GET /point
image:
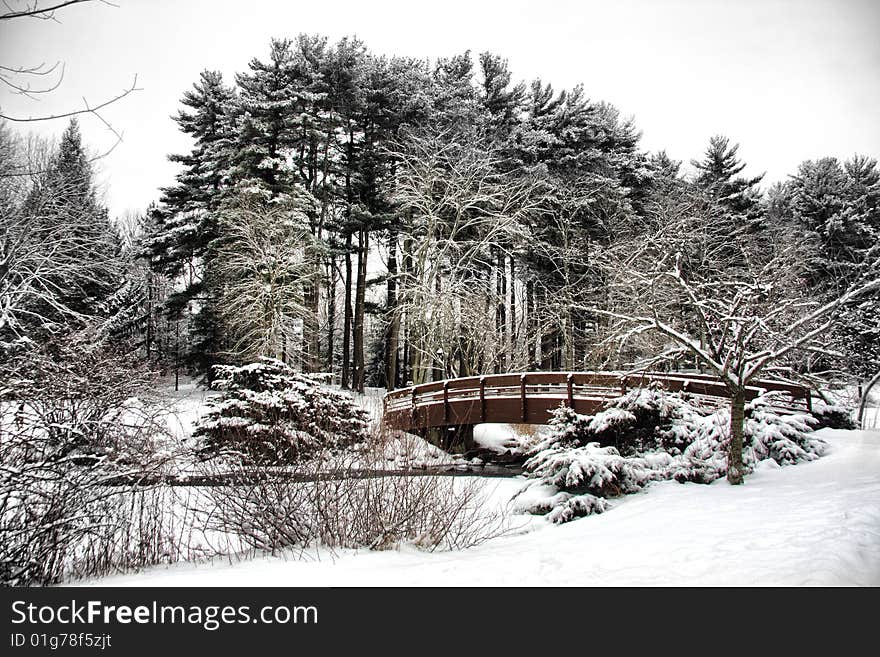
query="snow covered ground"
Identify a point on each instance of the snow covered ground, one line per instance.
(811, 524)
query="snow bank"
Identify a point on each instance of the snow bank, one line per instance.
(810, 525)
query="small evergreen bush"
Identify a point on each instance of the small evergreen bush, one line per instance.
(833, 416)
(648, 435)
(640, 420)
(270, 414)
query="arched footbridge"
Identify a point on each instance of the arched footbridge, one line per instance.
(445, 412)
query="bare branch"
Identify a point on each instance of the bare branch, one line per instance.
(34, 10)
(87, 110)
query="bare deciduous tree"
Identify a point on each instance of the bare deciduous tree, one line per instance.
(461, 212)
(35, 80)
(742, 318)
(265, 263)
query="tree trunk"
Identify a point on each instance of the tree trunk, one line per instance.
(311, 299)
(513, 327)
(735, 451)
(567, 340)
(347, 311)
(863, 401)
(347, 320)
(331, 313)
(360, 295)
(532, 339)
(500, 314)
(148, 339)
(406, 368)
(549, 340)
(393, 337)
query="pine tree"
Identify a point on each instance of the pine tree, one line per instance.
(665, 174)
(63, 209)
(718, 175)
(733, 218)
(502, 101)
(184, 226)
(838, 206)
(454, 96)
(270, 127)
(596, 183)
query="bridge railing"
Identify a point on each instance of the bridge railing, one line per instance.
(564, 386)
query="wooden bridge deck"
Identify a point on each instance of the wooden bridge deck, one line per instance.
(529, 398)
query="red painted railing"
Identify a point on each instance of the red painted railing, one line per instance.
(530, 397)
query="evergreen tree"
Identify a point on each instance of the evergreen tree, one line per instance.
(595, 183)
(838, 207)
(665, 175)
(731, 209)
(184, 226)
(456, 104)
(718, 175)
(271, 124)
(502, 101)
(63, 209)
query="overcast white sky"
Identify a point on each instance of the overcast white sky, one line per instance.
(787, 79)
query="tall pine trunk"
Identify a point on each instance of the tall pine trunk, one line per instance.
(311, 338)
(500, 309)
(148, 338)
(360, 297)
(548, 335)
(347, 318)
(531, 325)
(331, 314)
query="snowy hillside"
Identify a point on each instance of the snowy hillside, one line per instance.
(813, 524)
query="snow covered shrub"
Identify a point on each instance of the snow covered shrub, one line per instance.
(588, 469)
(71, 524)
(74, 417)
(270, 414)
(582, 476)
(787, 438)
(665, 437)
(833, 416)
(563, 507)
(640, 431)
(641, 419)
(705, 458)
